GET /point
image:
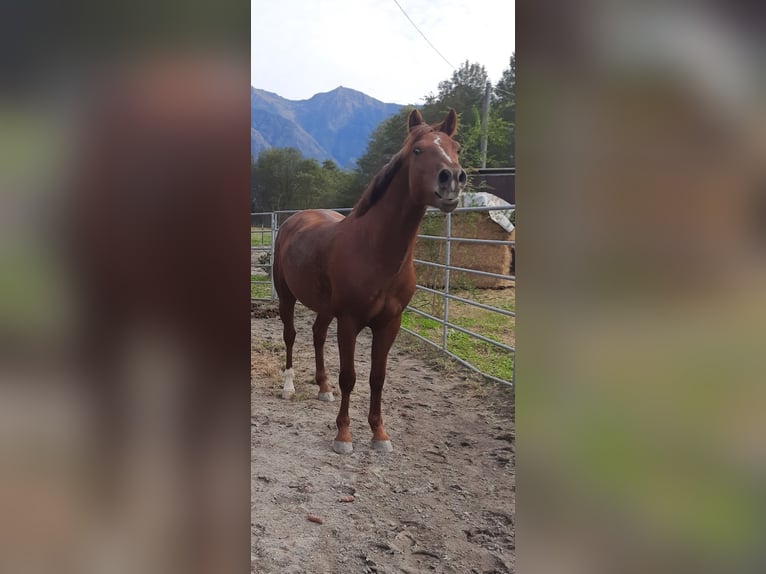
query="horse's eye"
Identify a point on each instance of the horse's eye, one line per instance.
(416, 151)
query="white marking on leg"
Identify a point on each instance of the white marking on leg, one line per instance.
(288, 389)
(437, 141)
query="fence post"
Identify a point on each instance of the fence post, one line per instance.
(271, 255)
(447, 263)
(513, 372)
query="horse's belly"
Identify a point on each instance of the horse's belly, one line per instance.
(305, 242)
(371, 309)
(309, 289)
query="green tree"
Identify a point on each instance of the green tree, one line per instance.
(385, 141)
(273, 178)
(464, 90)
(282, 178)
(505, 102)
(505, 90)
(341, 187)
(308, 185)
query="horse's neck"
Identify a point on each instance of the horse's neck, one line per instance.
(392, 225)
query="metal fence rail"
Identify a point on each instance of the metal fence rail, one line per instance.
(264, 228)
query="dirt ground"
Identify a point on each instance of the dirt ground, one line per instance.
(442, 501)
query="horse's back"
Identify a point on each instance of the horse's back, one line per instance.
(307, 220)
(302, 248)
(303, 230)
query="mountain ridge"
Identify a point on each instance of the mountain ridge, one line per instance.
(334, 125)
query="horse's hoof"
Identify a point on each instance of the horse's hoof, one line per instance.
(288, 389)
(326, 397)
(342, 447)
(382, 445)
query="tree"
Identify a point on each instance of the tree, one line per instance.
(273, 178)
(385, 141)
(498, 131)
(464, 90)
(505, 90)
(282, 178)
(343, 187)
(505, 94)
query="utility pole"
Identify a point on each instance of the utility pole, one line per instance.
(484, 120)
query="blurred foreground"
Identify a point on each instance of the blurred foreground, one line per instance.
(124, 365)
(642, 299)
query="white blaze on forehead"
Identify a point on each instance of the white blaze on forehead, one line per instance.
(437, 141)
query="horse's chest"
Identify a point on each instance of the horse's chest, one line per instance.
(388, 302)
(373, 296)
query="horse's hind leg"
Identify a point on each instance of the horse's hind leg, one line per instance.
(286, 313)
(382, 338)
(320, 334)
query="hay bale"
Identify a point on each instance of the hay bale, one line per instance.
(490, 258)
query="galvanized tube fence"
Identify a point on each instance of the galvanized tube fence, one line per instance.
(266, 225)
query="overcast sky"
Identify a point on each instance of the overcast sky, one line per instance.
(302, 47)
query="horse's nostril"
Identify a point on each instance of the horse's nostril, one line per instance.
(444, 176)
(462, 177)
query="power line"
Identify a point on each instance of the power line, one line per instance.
(424, 36)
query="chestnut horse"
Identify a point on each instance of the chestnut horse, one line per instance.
(359, 269)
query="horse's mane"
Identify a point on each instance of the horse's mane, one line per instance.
(380, 183)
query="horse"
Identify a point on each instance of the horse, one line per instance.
(358, 269)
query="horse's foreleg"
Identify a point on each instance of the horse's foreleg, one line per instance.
(347, 332)
(382, 339)
(286, 312)
(320, 334)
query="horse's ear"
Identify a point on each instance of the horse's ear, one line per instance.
(449, 125)
(415, 119)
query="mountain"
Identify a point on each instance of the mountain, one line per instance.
(333, 125)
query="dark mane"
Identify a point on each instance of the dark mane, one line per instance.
(377, 187)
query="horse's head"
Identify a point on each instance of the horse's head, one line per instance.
(435, 175)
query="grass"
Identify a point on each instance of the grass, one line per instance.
(260, 290)
(424, 326)
(260, 236)
(484, 356)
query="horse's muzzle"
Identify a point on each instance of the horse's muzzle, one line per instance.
(450, 184)
(448, 205)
